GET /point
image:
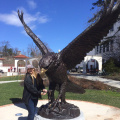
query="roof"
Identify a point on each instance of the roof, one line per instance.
(20, 56)
(2, 58)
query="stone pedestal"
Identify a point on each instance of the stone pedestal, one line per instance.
(81, 117)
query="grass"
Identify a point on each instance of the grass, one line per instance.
(12, 92)
(9, 78)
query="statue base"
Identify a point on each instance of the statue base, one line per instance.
(61, 111)
(81, 117)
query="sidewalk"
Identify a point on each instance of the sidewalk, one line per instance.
(91, 111)
(110, 82)
(1, 82)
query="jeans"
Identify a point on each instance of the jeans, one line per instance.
(31, 107)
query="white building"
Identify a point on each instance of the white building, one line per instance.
(91, 63)
(110, 45)
(19, 66)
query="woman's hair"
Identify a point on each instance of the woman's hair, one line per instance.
(39, 79)
(36, 76)
(33, 75)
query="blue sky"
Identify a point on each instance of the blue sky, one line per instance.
(55, 22)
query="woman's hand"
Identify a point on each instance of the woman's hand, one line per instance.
(44, 91)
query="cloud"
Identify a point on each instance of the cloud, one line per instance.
(31, 20)
(32, 4)
(43, 19)
(11, 19)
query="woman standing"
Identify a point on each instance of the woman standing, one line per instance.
(33, 89)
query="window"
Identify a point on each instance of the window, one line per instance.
(111, 45)
(100, 48)
(104, 48)
(107, 46)
(97, 49)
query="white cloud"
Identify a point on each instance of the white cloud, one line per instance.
(32, 4)
(43, 19)
(11, 19)
(31, 20)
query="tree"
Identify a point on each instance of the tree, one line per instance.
(10, 51)
(111, 66)
(5, 46)
(33, 51)
(7, 50)
(102, 6)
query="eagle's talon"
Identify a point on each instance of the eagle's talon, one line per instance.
(55, 104)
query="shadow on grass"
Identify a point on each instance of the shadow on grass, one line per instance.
(18, 102)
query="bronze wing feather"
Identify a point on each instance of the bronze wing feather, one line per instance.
(37, 41)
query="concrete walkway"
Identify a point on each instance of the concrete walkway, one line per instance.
(1, 82)
(91, 111)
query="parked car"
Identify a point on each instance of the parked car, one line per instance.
(77, 69)
(73, 70)
(1, 71)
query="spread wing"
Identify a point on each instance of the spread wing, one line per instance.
(75, 52)
(36, 40)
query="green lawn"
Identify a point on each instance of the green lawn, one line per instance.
(13, 91)
(8, 78)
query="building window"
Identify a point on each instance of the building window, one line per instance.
(104, 48)
(107, 47)
(97, 49)
(100, 49)
(111, 45)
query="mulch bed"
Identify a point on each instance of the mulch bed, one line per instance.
(88, 84)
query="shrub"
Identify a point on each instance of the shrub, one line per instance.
(111, 66)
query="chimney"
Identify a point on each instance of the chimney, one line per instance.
(18, 52)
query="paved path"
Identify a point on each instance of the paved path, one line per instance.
(91, 111)
(110, 82)
(1, 82)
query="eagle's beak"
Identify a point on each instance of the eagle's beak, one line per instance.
(43, 70)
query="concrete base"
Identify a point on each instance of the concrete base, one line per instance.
(81, 117)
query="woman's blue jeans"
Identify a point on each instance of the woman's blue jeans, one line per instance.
(31, 107)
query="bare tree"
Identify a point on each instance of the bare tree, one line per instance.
(6, 49)
(33, 51)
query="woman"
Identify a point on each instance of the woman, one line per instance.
(33, 89)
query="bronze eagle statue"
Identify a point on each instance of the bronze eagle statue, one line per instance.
(57, 64)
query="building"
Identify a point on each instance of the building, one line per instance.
(19, 66)
(92, 63)
(110, 45)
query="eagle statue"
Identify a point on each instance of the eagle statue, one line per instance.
(57, 64)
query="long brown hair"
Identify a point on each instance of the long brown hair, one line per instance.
(39, 79)
(33, 75)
